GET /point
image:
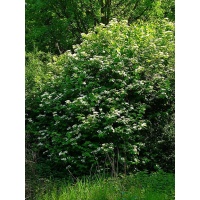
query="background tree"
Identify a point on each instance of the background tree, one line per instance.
(54, 26)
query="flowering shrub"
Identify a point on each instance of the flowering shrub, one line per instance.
(110, 106)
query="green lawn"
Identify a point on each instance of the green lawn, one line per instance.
(156, 186)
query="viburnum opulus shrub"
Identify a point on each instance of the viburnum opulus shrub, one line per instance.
(110, 107)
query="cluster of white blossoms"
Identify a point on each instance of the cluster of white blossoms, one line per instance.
(107, 147)
(40, 116)
(30, 120)
(139, 69)
(110, 128)
(40, 144)
(63, 153)
(122, 73)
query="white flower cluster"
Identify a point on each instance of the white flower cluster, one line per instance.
(63, 153)
(107, 147)
(110, 128)
(122, 73)
(40, 144)
(30, 120)
(40, 116)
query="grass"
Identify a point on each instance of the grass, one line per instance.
(156, 186)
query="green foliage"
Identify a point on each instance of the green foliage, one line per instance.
(36, 71)
(39, 71)
(54, 26)
(112, 102)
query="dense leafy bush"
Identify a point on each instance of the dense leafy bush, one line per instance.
(112, 105)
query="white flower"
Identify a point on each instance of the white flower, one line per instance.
(136, 160)
(67, 101)
(135, 148)
(143, 124)
(122, 159)
(30, 120)
(54, 113)
(113, 130)
(69, 166)
(135, 127)
(41, 115)
(45, 151)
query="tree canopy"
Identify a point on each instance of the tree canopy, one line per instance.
(54, 26)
